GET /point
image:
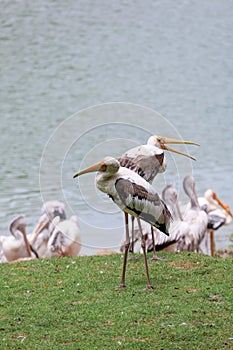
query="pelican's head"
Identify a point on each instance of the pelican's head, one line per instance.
(108, 165)
(160, 142)
(189, 189)
(50, 210)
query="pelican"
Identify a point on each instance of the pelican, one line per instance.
(195, 217)
(134, 196)
(149, 160)
(179, 228)
(16, 246)
(41, 233)
(216, 217)
(64, 239)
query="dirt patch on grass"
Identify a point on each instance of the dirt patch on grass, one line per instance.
(185, 265)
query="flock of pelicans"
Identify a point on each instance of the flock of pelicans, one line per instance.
(160, 222)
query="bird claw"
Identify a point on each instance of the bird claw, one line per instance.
(121, 286)
(155, 258)
(133, 257)
(149, 287)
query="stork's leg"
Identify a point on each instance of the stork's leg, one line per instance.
(155, 257)
(206, 242)
(143, 245)
(132, 243)
(212, 243)
(127, 242)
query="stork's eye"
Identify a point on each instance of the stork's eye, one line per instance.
(103, 167)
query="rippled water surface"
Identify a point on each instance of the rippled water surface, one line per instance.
(57, 59)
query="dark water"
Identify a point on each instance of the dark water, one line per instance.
(58, 58)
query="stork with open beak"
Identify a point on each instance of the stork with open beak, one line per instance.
(134, 196)
(149, 160)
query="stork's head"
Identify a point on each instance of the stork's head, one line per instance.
(108, 165)
(160, 142)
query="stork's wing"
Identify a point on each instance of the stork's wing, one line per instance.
(146, 164)
(138, 201)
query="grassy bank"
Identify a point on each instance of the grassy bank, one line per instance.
(72, 303)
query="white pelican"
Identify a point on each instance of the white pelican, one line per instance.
(135, 196)
(195, 217)
(65, 238)
(16, 246)
(216, 217)
(41, 233)
(149, 160)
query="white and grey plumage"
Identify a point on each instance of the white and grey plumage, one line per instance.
(178, 230)
(147, 161)
(16, 246)
(216, 217)
(211, 204)
(194, 216)
(133, 195)
(65, 239)
(41, 233)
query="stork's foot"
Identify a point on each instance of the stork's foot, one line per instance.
(133, 257)
(149, 287)
(121, 286)
(155, 257)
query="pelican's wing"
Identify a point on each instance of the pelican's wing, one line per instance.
(138, 201)
(215, 221)
(144, 161)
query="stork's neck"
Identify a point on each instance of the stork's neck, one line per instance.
(104, 180)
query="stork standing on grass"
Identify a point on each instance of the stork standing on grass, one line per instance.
(216, 217)
(133, 195)
(178, 231)
(149, 160)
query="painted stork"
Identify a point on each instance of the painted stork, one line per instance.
(195, 217)
(216, 217)
(178, 230)
(17, 246)
(134, 196)
(147, 161)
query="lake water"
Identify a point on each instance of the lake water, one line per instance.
(58, 60)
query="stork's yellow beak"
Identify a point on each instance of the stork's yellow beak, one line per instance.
(224, 206)
(95, 167)
(164, 140)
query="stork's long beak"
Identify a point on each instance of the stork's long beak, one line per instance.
(224, 206)
(90, 169)
(164, 140)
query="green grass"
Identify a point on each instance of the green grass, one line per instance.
(72, 303)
